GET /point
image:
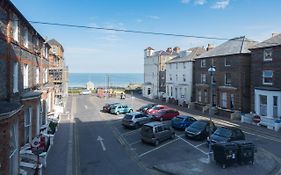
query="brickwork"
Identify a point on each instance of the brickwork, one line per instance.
(239, 69)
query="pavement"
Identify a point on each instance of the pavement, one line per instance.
(100, 145)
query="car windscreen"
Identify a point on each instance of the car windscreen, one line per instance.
(178, 119)
(147, 130)
(128, 117)
(157, 108)
(223, 132)
(198, 125)
(113, 107)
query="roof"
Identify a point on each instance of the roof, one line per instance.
(149, 48)
(239, 45)
(194, 52)
(31, 94)
(9, 108)
(55, 42)
(273, 41)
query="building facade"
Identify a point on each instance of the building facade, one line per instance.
(23, 74)
(266, 78)
(179, 76)
(58, 72)
(231, 83)
(155, 71)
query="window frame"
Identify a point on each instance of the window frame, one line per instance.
(203, 63)
(25, 76)
(226, 79)
(263, 77)
(266, 53)
(227, 62)
(15, 77)
(203, 77)
(15, 27)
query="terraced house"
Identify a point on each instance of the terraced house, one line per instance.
(266, 82)
(24, 88)
(231, 82)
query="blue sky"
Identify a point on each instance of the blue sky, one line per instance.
(113, 52)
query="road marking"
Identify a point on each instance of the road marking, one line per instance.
(193, 146)
(130, 132)
(200, 144)
(136, 142)
(154, 149)
(86, 107)
(100, 139)
(265, 137)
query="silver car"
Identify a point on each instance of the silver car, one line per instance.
(155, 132)
(135, 120)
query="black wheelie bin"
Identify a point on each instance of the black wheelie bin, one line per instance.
(225, 154)
(246, 152)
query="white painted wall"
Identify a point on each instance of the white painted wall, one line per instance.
(269, 95)
(177, 84)
(151, 67)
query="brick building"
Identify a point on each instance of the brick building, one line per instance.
(266, 82)
(24, 81)
(232, 77)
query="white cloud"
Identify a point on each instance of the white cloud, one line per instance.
(200, 2)
(221, 4)
(185, 1)
(153, 17)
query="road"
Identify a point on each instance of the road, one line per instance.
(98, 144)
(93, 154)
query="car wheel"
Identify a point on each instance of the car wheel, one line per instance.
(142, 141)
(173, 136)
(137, 125)
(130, 110)
(156, 143)
(117, 113)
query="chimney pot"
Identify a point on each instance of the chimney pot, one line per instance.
(210, 46)
(274, 34)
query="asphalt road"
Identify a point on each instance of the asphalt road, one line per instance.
(97, 150)
(99, 144)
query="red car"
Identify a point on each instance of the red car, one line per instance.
(166, 114)
(156, 109)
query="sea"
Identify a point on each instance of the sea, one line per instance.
(102, 79)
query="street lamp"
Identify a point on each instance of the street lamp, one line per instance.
(211, 71)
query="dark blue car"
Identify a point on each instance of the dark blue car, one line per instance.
(181, 122)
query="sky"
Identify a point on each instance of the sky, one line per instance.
(96, 51)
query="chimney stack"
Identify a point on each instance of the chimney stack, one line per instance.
(177, 49)
(274, 34)
(169, 50)
(210, 46)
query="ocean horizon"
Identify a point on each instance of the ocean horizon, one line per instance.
(99, 79)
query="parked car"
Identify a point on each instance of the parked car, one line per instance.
(181, 122)
(156, 108)
(165, 114)
(146, 107)
(226, 134)
(107, 107)
(200, 129)
(85, 92)
(120, 109)
(156, 132)
(135, 120)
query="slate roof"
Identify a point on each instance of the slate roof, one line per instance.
(273, 41)
(239, 45)
(55, 42)
(7, 108)
(194, 52)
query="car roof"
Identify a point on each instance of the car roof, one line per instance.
(229, 127)
(184, 116)
(153, 124)
(134, 113)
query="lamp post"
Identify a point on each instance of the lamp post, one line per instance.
(211, 71)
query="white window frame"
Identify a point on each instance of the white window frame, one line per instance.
(267, 54)
(25, 75)
(225, 79)
(170, 75)
(203, 63)
(183, 78)
(225, 62)
(184, 65)
(28, 125)
(14, 154)
(25, 37)
(46, 75)
(176, 77)
(37, 74)
(200, 96)
(263, 77)
(15, 24)
(176, 65)
(203, 78)
(224, 99)
(15, 77)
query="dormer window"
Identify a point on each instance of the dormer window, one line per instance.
(267, 54)
(15, 27)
